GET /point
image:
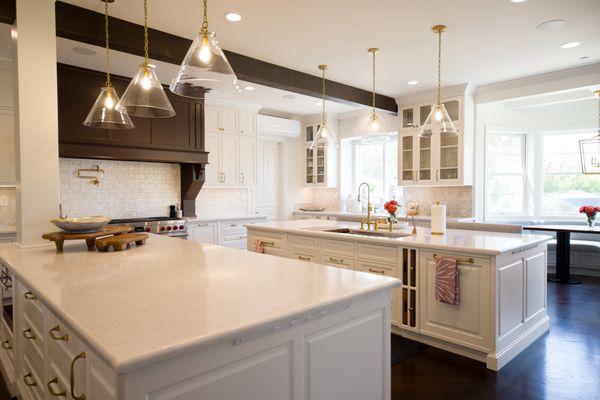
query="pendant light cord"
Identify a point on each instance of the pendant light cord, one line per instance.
(373, 82)
(204, 28)
(106, 40)
(146, 33)
(323, 95)
(439, 96)
(598, 95)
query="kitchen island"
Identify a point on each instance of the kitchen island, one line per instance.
(502, 280)
(175, 319)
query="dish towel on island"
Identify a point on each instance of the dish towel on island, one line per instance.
(258, 247)
(447, 287)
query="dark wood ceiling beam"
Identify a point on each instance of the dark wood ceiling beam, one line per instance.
(87, 26)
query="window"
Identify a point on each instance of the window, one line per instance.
(565, 188)
(505, 173)
(372, 159)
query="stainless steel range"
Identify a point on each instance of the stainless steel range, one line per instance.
(159, 225)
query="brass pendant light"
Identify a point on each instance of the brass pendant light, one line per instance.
(145, 96)
(590, 149)
(104, 114)
(205, 67)
(438, 120)
(374, 125)
(323, 134)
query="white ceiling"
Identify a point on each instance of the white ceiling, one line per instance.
(487, 40)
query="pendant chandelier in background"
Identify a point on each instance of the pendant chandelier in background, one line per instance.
(145, 96)
(323, 134)
(374, 124)
(438, 120)
(590, 148)
(104, 114)
(205, 67)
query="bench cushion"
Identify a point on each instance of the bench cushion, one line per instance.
(578, 245)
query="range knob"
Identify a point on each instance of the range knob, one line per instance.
(162, 228)
(169, 228)
(175, 227)
(181, 227)
(148, 229)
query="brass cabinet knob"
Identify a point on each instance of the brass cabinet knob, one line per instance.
(54, 334)
(28, 334)
(28, 380)
(29, 295)
(6, 345)
(56, 392)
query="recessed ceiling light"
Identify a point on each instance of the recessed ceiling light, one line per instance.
(412, 82)
(288, 96)
(249, 88)
(584, 58)
(518, 1)
(570, 45)
(551, 25)
(233, 17)
(84, 51)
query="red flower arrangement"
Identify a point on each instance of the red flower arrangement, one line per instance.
(590, 212)
(391, 207)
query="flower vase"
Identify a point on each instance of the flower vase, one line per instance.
(392, 219)
(591, 221)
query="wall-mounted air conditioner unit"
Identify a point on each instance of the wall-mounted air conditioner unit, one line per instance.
(277, 128)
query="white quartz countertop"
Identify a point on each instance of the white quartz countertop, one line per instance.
(227, 218)
(345, 214)
(173, 296)
(475, 242)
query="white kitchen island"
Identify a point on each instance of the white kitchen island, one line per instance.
(175, 319)
(502, 280)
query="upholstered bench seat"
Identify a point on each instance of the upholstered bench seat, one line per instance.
(579, 245)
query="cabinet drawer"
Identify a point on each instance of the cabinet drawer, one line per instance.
(31, 380)
(340, 247)
(233, 227)
(33, 309)
(7, 342)
(273, 243)
(367, 251)
(304, 241)
(334, 260)
(303, 255)
(63, 346)
(379, 269)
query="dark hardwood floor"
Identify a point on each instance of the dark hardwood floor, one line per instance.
(562, 364)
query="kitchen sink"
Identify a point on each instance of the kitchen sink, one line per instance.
(388, 234)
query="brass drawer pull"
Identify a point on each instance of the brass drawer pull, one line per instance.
(268, 244)
(28, 334)
(30, 296)
(336, 260)
(72, 377)
(54, 392)
(303, 258)
(6, 345)
(377, 271)
(55, 330)
(28, 380)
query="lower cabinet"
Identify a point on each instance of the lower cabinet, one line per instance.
(51, 360)
(467, 323)
(203, 232)
(228, 233)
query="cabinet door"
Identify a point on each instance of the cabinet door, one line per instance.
(247, 121)
(448, 160)
(228, 159)
(408, 118)
(425, 156)
(247, 160)
(8, 162)
(204, 233)
(213, 172)
(406, 160)
(467, 323)
(228, 121)
(211, 118)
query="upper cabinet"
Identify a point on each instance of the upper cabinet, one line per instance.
(436, 161)
(7, 124)
(320, 162)
(231, 143)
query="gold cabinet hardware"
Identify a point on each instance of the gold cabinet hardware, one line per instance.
(28, 334)
(28, 380)
(243, 177)
(411, 308)
(72, 376)
(54, 392)
(303, 258)
(6, 345)
(30, 296)
(267, 244)
(336, 260)
(437, 175)
(55, 336)
(460, 260)
(376, 271)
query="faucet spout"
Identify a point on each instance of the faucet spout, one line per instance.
(369, 207)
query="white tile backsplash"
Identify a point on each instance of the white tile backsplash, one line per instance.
(458, 199)
(127, 189)
(8, 212)
(223, 202)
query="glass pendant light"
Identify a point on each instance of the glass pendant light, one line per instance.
(145, 96)
(374, 125)
(590, 149)
(438, 120)
(205, 67)
(104, 114)
(323, 134)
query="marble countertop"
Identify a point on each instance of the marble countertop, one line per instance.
(173, 296)
(8, 229)
(227, 218)
(341, 214)
(467, 241)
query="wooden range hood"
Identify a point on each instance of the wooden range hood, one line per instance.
(179, 139)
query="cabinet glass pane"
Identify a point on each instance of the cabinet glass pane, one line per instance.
(449, 157)
(449, 141)
(450, 173)
(425, 159)
(407, 160)
(452, 109)
(407, 118)
(425, 174)
(309, 133)
(424, 113)
(320, 178)
(407, 175)
(407, 143)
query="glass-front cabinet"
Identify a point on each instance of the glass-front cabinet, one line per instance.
(434, 161)
(320, 169)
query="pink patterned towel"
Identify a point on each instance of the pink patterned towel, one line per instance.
(447, 288)
(258, 247)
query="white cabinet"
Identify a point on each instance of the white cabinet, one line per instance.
(435, 161)
(247, 120)
(212, 146)
(204, 232)
(219, 119)
(222, 159)
(7, 124)
(320, 161)
(267, 179)
(247, 160)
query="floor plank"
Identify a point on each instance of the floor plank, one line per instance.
(562, 364)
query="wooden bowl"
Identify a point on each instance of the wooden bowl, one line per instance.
(81, 225)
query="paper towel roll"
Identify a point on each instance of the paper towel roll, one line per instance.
(438, 219)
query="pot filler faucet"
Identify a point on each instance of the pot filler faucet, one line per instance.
(368, 222)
